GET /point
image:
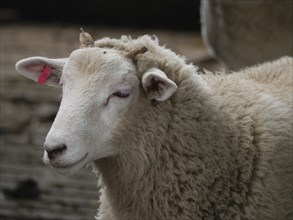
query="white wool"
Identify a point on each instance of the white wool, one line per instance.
(168, 142)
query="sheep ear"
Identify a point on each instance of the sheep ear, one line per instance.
(42, 70)
(157, 85)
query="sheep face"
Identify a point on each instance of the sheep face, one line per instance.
(99, 86)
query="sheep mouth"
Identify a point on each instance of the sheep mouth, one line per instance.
(68, 166)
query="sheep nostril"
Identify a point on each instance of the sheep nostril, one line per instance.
(55, 151)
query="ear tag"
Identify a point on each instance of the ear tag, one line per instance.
(44, 76)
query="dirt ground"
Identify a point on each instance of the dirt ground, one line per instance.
(28, 189)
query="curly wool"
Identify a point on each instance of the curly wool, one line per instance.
(219, 148)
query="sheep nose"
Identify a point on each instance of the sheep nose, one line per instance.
(53, 152)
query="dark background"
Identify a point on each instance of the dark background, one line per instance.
(166, 14)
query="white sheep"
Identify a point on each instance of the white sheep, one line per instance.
(241, 33)
(167, 141)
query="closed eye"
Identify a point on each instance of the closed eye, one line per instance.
(121, 94)
(118, 94)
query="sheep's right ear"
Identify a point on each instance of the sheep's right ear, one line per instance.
(42, 70)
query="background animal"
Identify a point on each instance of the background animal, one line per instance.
(166, 141)
(243, 33)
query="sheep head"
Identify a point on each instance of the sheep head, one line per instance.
(99, 86)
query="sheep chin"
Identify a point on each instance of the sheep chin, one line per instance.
(72, 168)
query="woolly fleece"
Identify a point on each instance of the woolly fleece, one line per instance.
(219, 148)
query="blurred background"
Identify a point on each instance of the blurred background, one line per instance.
(145, 14)
(28, 189)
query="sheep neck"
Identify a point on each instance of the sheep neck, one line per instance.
(171, 157)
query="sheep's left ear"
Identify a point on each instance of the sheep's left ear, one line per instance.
(157, 85)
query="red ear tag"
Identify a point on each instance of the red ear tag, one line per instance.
(45, 74)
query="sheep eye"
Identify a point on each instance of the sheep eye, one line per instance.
(121, 94)
(118, 94)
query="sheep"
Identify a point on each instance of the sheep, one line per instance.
(169, 142)
(241, 33)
